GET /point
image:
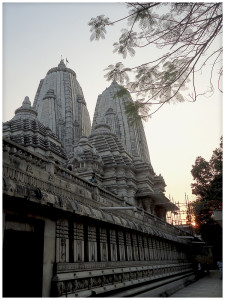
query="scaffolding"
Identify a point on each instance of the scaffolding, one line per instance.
(182, 217)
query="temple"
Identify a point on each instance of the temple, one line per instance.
(82, 203)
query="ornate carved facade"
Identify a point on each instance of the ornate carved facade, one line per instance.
(88, 201)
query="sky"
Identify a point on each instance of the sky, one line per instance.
(36, 35)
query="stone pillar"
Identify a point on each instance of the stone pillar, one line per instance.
(152, 206)
(121, 246)
(62, 241)
(174, 251)
(150, 247)
(78, 242)
(140, 247)
(135, 247)
(170, 252)
(146, 251)
(48, 256)
(48, 113)
(113, 246)
(131, 186)
(129, 247)
(147, 205)
(158, 249)
(121, 181)
(92, 243)
(103, 244)
(154, 249)
(161, 250)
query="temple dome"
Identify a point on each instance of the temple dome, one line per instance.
(25, 129)
(61, 67)
(25, 111)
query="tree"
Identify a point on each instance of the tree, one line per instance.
(208, 189)
(186, 31)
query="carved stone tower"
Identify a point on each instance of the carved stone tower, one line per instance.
(60, 105)
(110, 108)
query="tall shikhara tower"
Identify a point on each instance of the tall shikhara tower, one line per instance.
(111, 109)
(61, 106)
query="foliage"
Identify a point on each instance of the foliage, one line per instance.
(207, 188)
(185, 31)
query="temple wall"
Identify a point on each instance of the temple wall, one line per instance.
(86, 251)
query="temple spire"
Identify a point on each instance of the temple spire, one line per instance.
(112, 108)
(61, 64)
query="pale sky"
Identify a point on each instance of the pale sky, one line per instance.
(35, 35)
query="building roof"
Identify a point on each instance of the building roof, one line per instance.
(109, 146)
(25, 129)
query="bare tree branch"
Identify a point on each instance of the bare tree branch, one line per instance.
(188, 29)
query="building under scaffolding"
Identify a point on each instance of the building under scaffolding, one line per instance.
(183, 217)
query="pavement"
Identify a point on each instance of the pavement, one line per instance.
(210, 285)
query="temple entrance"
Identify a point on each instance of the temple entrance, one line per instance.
(22, 263)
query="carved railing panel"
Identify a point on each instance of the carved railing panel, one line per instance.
(101, 280)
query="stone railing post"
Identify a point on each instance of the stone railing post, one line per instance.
(92, 243)
(78, 242)
(129, 247)
(103, 244)
(113, 246)
(62, 241)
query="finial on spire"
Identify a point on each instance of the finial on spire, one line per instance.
(62, 64)
(26, 101)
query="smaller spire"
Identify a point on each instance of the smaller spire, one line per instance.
(26, 102)
(26, 107)
(114, 82)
